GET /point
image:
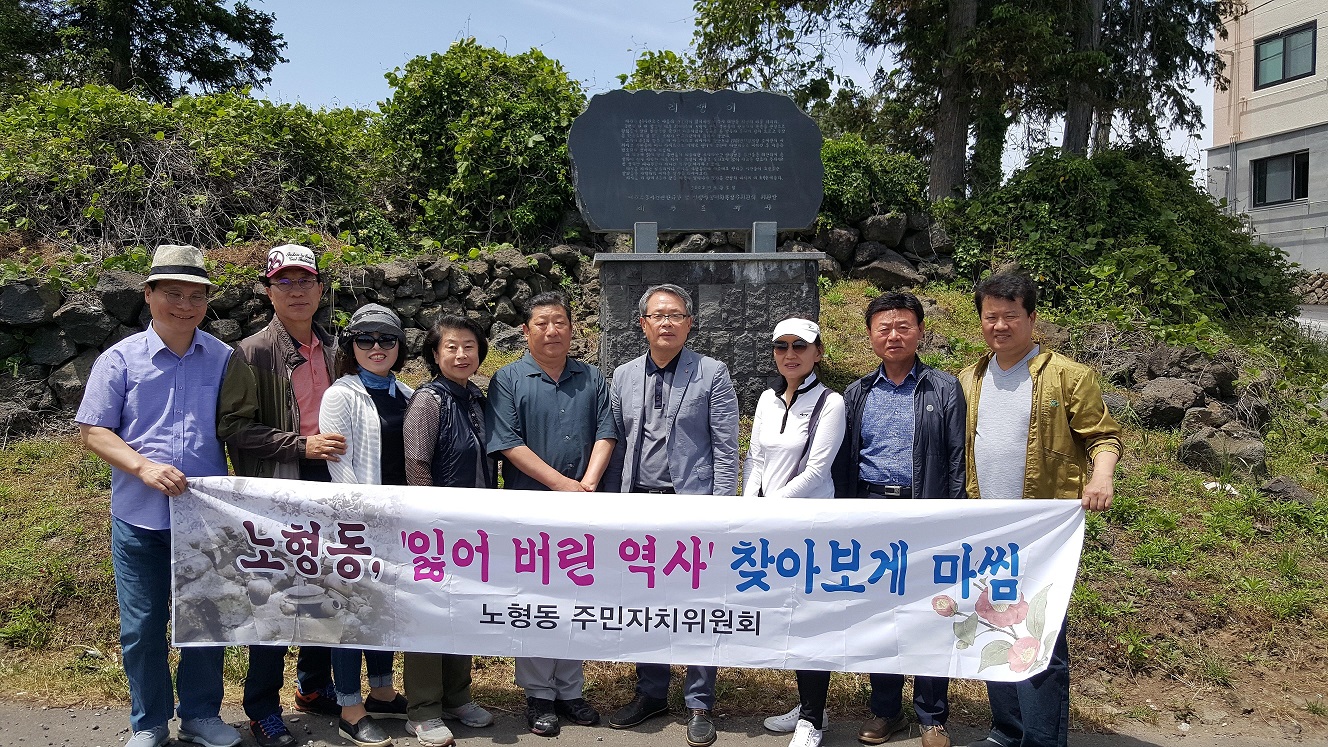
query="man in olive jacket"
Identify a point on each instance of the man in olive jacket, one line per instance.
(1035, 421)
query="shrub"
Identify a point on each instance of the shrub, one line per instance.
(482, 137)
(95, 166)
(1127, 236)
(863, 180)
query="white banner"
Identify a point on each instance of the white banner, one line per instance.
(974, 589)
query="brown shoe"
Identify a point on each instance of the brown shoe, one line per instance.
(935, 736)
(877, 730)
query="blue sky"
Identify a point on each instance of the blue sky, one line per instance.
(340, 49)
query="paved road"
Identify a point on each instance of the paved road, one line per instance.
(1315, 319)
(27, 725)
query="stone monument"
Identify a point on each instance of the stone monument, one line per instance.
(652, 161)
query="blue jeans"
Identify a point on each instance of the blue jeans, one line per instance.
(698, 689)
(142, 561)
(346, 672)
(931, 697)
(267, 673)
(1035, 712)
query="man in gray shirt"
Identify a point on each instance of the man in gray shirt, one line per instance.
(549, 422)
(676, 414)
(1036, 423)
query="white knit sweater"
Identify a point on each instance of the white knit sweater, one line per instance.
(349, 410)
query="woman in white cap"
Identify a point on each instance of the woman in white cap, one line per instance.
(367, 405)
(795, 435)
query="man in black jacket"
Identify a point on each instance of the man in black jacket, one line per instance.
(904, 439)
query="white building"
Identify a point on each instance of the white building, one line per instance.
(1270, 127)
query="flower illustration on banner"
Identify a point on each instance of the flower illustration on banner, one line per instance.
(1017, 628)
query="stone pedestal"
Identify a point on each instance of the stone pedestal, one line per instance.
(738, 298)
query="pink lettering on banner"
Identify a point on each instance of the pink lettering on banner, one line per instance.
(531, 558)
(631, 551)
(575, 555)
(431, 554)
(690, 561)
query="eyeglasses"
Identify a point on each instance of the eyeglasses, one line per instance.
(799, 346)
(366, 342)
(286, 285)
(661, 318)
(193, 299)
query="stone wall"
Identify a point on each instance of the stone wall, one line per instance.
(1314, 289)
(893, 250)
(50, 339)
(738, 299)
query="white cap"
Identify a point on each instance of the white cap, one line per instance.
(804, 329)
(291, 255)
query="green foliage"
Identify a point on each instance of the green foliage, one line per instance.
(97, 167)
(482, 137)
(149, 46)
(667, 71)
(862, 180)
(1127, 237)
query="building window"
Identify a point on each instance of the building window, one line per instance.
(1281, 179)
(1285, 56)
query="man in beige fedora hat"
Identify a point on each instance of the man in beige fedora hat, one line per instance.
(150, 410)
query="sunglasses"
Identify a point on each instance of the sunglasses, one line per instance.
(798, 346)
(366, 342)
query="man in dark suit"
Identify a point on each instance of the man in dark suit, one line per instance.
(676, 413)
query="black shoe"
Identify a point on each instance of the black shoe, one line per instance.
(540, 717)
(272, 732)
(641, 707)
(321, 702)
(394, 708)
(576, 710)
(700, 729)
(364, 732)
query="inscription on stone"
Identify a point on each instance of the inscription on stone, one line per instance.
(696, 161)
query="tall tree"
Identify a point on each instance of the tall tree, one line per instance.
(953, 116)
(1018, 60)
(27, 37)
(1087, 18)
(1154, 50)
(157, 47)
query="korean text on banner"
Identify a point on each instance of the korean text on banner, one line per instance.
(974, 589)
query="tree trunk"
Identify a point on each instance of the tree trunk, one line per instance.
(952, 115)
(1079, 109)
(120, 42)
(990, 125)
(1102, 127)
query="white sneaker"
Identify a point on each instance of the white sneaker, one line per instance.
(431, 733)
(806, 735)
(785, 723)
(470, 714)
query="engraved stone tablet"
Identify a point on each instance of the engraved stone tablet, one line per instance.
(696, 161)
